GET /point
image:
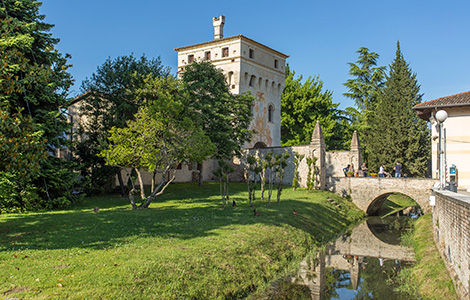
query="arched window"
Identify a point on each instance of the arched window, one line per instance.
(252, 80)
(259, 145)
(230, 79)
(271, 112)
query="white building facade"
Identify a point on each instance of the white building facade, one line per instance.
(248, 66)
(457, 135)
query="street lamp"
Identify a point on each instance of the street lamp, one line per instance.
(441, 116)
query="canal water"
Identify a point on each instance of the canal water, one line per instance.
(361, 264)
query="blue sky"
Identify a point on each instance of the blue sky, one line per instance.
(321, 37)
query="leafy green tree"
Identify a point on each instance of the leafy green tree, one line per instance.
(302, 104)
(398, 133)
(263, 167)
(160, 137)
(251, 177)
(223, 173)
(281, 162)
(367, 82)
(224, 117)
(108, 101)
(22, 150)
(364, 88)
(297, 160)
(35, 81)
(270, 172)
(311, 173)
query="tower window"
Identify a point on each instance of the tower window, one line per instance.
(207, 55)
(190, 58)
(276, 64)
(252, 80)
(270, 113)
(252, 53)
(230, 78)
(225, 52)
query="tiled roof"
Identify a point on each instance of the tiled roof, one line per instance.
(235, 37)
(462, 99)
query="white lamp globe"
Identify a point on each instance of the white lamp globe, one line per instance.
(441, 115)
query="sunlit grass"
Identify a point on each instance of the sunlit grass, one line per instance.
(185, 246)
(429, 278)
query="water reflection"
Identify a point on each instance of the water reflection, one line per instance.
(357, 265)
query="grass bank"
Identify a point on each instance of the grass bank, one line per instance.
(184, 247)
(429, 278)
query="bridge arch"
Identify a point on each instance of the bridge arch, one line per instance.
(379, 200)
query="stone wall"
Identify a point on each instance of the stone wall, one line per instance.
(451, 224)
(328, 163)
(337, 161)
(184, 174)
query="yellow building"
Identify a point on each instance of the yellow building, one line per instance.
(456, 132)
(248, 66)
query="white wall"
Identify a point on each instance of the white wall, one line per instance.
(457, 127)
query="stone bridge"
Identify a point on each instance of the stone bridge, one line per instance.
(370, 193)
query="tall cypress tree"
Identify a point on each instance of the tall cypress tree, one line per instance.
(398, 133)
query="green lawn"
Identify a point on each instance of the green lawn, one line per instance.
(184, 247)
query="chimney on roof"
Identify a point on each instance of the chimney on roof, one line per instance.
(218, 27)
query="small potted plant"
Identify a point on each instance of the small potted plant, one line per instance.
(350, 174)
(373, 174)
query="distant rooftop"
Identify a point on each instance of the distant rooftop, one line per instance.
(462, 99)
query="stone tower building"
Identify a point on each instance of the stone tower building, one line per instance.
(248, 66)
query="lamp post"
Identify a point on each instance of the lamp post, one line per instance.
(441, 116)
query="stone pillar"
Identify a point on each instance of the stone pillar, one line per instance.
(218, 27)
(318, 150)
(355, 156)
(354, 271)
(312, 274)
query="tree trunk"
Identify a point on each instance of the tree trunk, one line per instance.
(121, 183)
(221, 183)
(131, 198)
(248, 182)
(141, 184)
(158, 191)
(254, 189)
(263, 183)
(226, 191)
(201, 175)
(153, 180)
(131, 194)
(270, 191)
